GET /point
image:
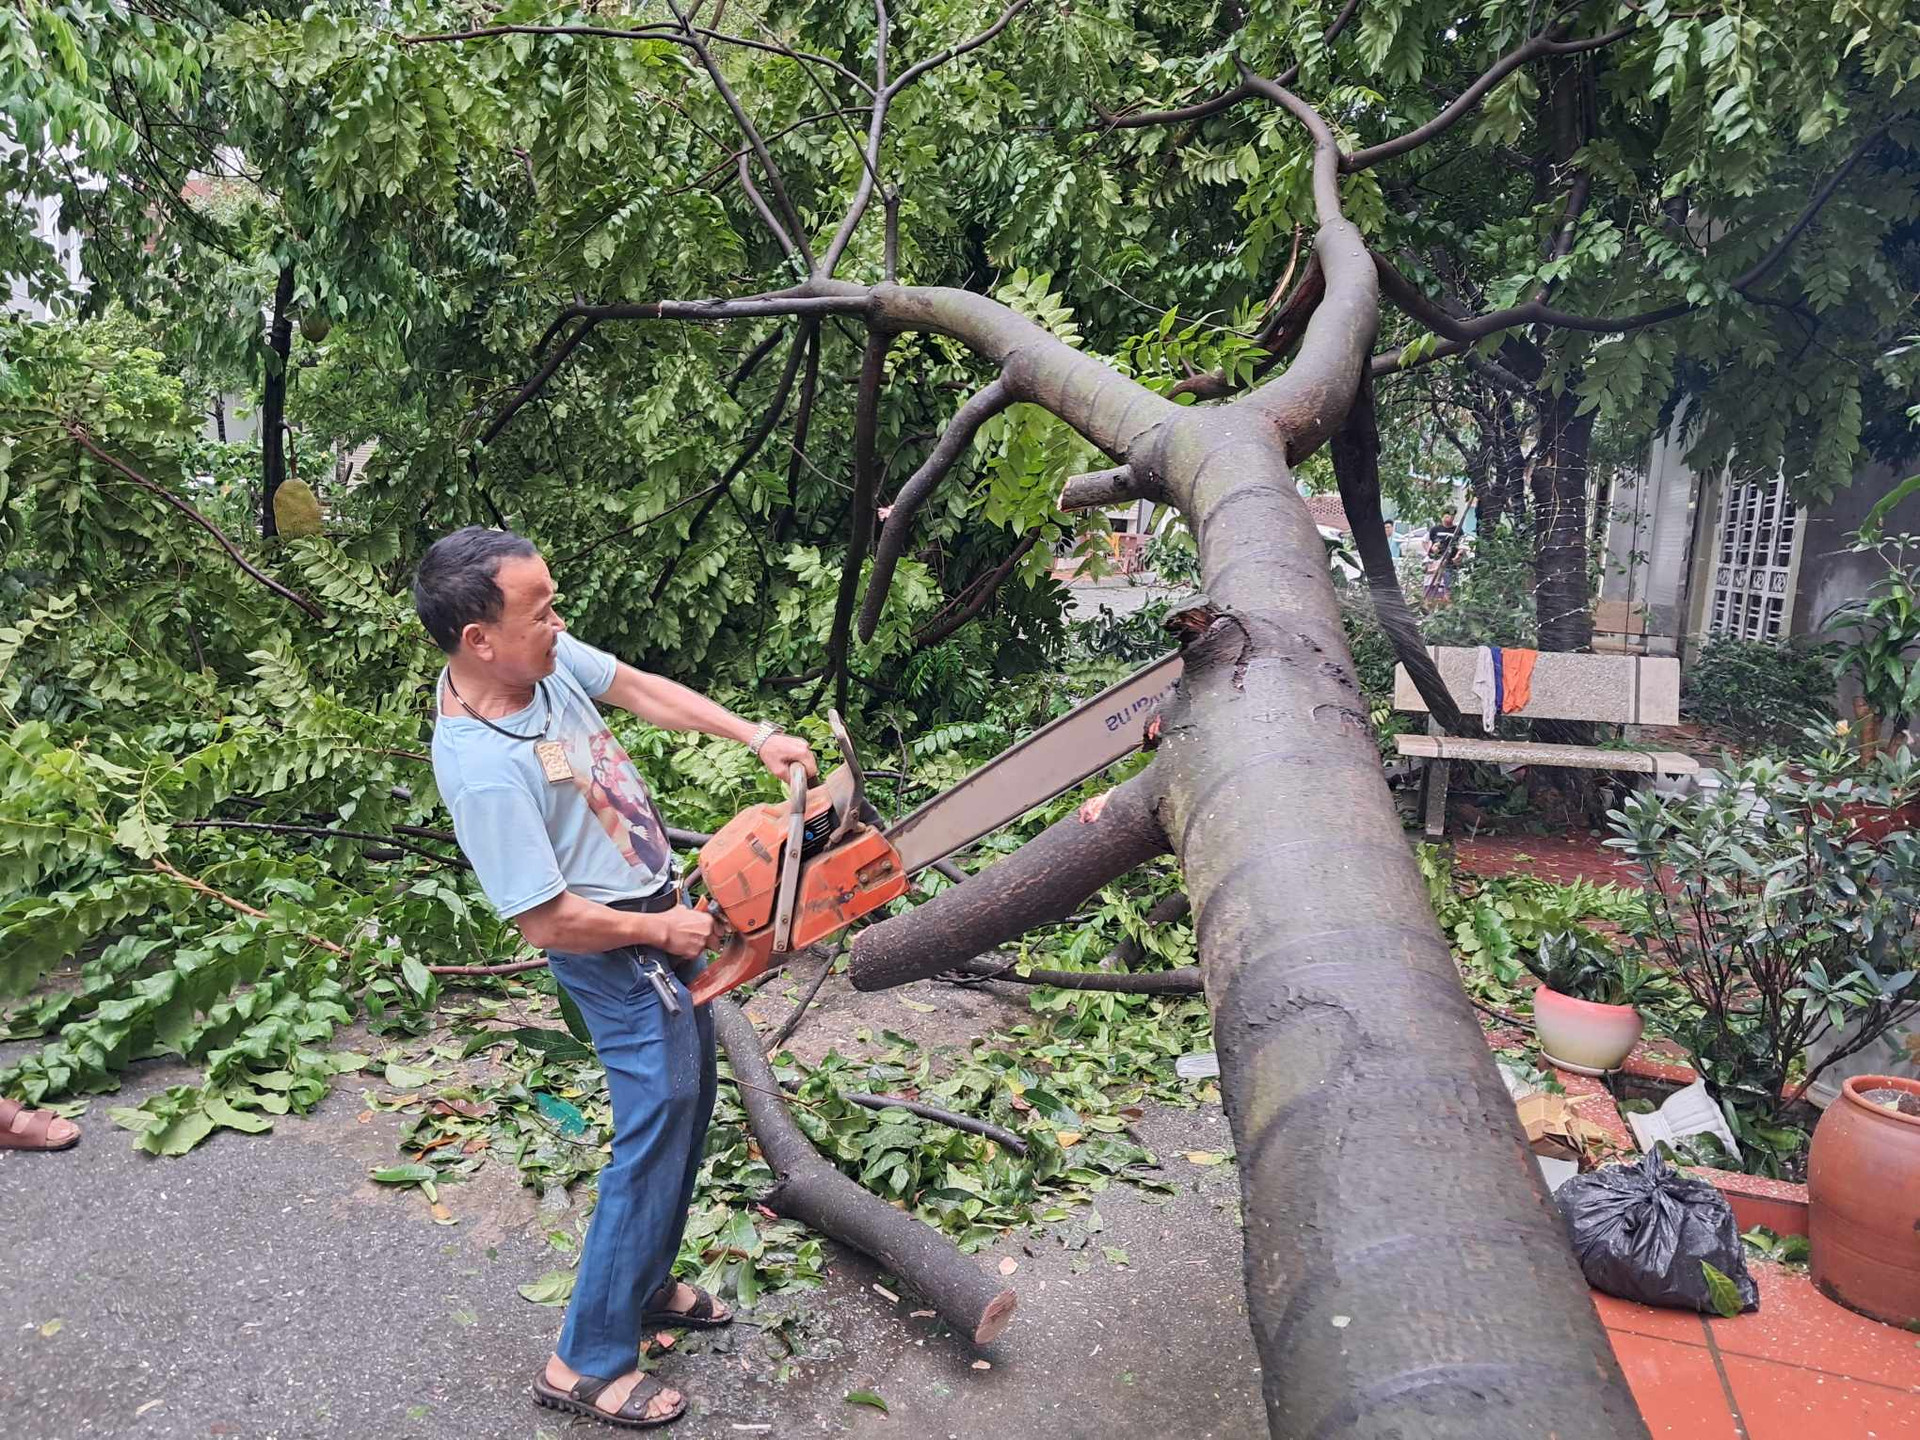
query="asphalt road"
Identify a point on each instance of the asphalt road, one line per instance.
(263, 1287)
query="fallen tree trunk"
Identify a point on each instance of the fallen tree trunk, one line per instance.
(1447, 1305)
(809, 1189)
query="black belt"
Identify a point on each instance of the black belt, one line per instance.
(652, 904)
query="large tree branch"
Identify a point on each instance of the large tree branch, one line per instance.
(966, 423)
(1112, 411)
(1308, 402)
(1043, 881)
(808, 1189)
(1356, 465)
(92, 447)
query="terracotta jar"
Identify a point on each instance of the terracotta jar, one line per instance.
(1581, 1035)
(1863, 1179)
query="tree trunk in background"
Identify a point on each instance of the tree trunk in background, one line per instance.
(1506, 466)
(273, 400)
(1563, 601)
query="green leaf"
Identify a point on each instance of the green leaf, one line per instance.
(407, 1077)
(553, 1288)
(576, 1023)
(223, 1113)
(868, 1398)
(1723, 1292)
(414, 1174)
(566, 1116)
(416, 976)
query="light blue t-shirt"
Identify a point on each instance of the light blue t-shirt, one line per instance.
(528, 838)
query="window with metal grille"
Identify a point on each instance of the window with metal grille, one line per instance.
(1753, 574)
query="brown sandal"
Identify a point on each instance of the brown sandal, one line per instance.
(703, 1314)
(630, 1416)
(32, 1135)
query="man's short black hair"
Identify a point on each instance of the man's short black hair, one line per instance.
(455, 586)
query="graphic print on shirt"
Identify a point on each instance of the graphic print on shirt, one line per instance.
(604, 774)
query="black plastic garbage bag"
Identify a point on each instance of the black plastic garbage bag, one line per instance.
(1641, 1232)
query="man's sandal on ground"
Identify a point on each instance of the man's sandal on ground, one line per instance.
(630, 1416)
(703, 1314)
(33, 1133)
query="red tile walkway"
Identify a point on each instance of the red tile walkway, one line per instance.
(1798, 1368)
(1560, 858)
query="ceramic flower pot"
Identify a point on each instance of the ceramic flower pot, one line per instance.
(1863, 1182)
(1582, 1036)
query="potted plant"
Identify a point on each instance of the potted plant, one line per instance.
(1792, 936)
(1863, 1185)
(1584, 1009)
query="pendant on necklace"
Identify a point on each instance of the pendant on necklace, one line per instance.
(553, 760)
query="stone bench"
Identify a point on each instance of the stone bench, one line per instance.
(1600, 689)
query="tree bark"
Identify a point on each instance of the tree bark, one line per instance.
(808, 1189)
(1342, 1030)
(1563, 602)
(273, 400)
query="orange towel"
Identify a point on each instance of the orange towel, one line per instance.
(1516, 678)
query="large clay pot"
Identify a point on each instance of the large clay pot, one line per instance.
(1863, 1179)
(1581, 1036)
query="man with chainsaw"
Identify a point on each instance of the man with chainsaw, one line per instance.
(565, 841)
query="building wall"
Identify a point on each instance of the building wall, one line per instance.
(1663, 540)
(1830, 574)
(1649, 537)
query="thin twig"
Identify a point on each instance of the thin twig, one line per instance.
(241, 906)
(782, 1035)
(87, 442)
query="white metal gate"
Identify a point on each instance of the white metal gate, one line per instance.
(1755, 569)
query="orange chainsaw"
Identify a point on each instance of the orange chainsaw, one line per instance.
(784, 876)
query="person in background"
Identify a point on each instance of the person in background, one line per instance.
(1443, 542)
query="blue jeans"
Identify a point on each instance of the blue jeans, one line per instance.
(660, 1077)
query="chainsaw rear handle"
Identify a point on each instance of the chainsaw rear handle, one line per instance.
(741, 957)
